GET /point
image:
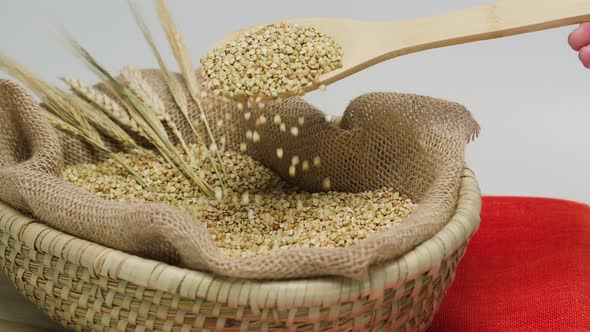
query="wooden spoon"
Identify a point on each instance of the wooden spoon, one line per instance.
(367, 43)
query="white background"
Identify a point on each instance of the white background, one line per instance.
(528, 92)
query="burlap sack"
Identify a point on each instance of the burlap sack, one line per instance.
(412, 143)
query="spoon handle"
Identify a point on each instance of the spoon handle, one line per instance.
(500, 19)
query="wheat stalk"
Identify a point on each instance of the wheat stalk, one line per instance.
(58, 123)
(180, 52)
(50, 95)
(138, 85)
(173, 85)
(102, 122)
(64, 111)
(132, 80)
(62, 125)
(145, 118)
(106, 104)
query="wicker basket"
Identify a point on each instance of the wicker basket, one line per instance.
(88, 287)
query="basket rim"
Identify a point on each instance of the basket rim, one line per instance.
(116, 265)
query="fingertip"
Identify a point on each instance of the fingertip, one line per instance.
(571, 40)
(580, 37)
(584, 55)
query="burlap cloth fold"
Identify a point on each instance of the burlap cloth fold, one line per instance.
(412, 143)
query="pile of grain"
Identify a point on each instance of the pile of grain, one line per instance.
(275, 60)
(259, 213)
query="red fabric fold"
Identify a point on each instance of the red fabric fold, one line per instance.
(526, 269)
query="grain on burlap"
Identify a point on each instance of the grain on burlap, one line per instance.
(412, 143)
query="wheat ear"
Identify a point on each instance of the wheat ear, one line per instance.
(105, 103)
(59, 124)
(50, 95)
(102, 122)
(64, 112)
(137, 83)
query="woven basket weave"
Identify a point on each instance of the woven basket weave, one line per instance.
(87, 287)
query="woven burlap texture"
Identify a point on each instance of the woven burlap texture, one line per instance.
(412, 143)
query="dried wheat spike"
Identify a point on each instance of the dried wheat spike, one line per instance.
(138, 85)
(58, 123)
(108, 105)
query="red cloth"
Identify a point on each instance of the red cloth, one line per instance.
(526, 269)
